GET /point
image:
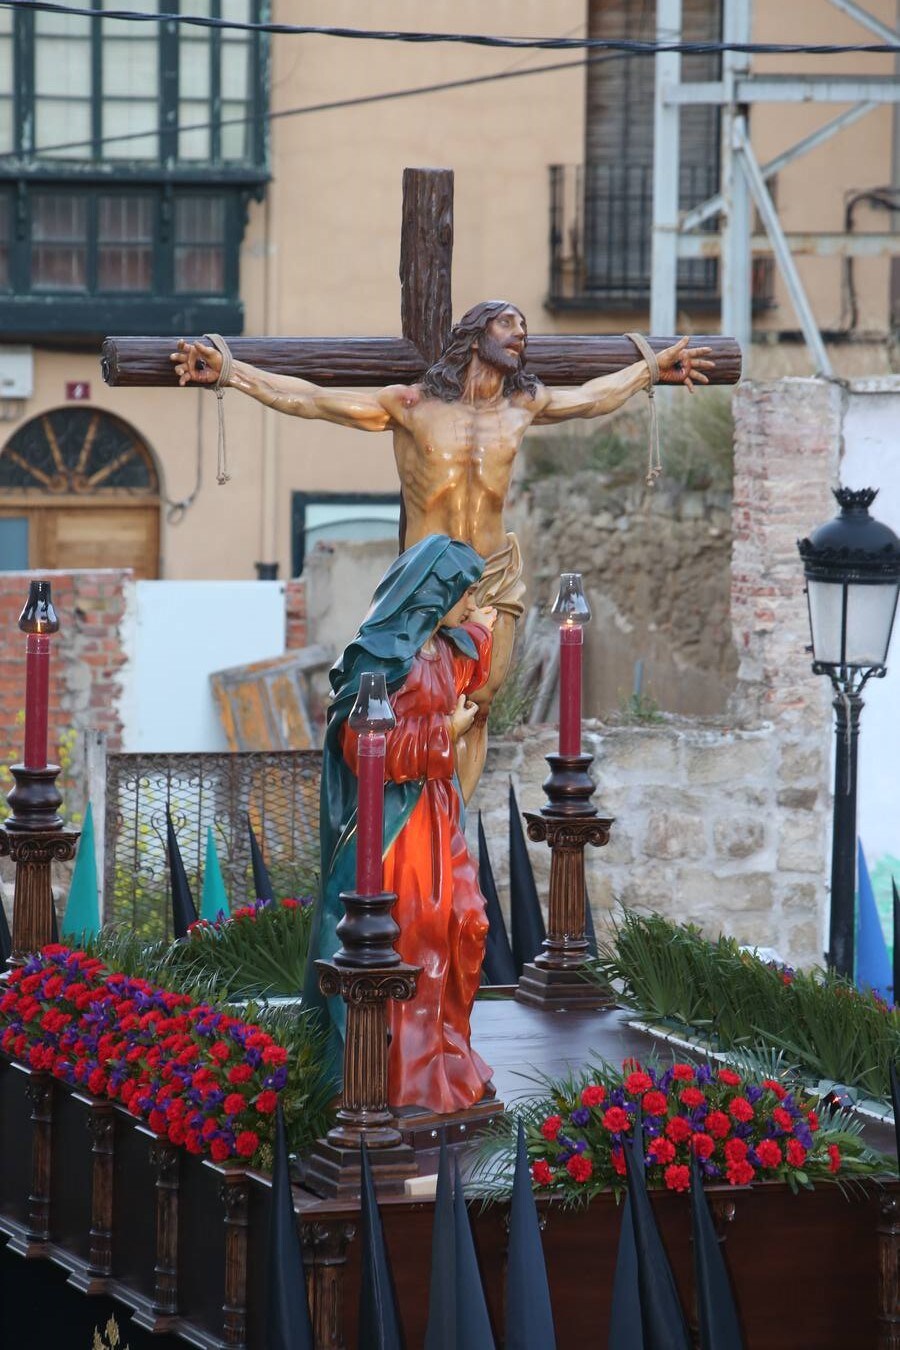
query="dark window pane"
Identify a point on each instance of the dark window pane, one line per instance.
(125, 243)
(59, 242)
(199, 240)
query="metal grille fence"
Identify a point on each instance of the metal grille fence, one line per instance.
(278, 791)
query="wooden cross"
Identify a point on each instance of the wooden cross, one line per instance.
(426, 250)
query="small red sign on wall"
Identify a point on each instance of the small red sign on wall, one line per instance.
(78, 390)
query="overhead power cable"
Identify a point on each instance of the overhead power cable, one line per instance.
(628, 46)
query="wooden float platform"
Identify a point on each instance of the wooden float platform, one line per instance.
(180, 1244)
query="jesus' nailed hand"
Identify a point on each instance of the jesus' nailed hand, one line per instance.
(456, 434)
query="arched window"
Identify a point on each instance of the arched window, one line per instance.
(78, 488)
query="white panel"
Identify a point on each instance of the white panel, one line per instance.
(183, 631)
(872, 459)
(16, 372)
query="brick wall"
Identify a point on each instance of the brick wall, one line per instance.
(295, 625)
(787, 458)
(86, 665)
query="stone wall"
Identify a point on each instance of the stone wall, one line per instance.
(721, 821)
(655, 563)
(717, 825)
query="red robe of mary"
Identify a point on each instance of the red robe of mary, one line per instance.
(440, 909)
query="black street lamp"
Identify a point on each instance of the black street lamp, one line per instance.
(852, 570)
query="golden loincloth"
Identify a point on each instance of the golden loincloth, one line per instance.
(501, 583)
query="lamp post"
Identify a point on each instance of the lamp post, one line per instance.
(852, 571)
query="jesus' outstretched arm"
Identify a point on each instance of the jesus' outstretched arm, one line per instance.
(678, 364)
(196, 363)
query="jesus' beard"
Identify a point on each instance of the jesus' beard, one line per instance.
(504, 359)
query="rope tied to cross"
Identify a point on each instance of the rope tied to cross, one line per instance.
(654, 460)
(216, 340)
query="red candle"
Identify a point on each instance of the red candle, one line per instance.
(37, 699)
(370, 813)
(571, 640)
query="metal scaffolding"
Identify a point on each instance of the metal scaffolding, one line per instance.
(744, 181)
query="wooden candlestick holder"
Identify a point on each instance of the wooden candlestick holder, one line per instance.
(34, 838)
(557, 977)
(366, 971)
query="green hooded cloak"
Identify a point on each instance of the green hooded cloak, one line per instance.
(412, 598)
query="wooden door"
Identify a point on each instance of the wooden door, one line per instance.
(79, 489)
(97, 536)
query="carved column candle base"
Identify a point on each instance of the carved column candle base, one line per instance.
(557, 977)
(34, 839)
(333, 1169)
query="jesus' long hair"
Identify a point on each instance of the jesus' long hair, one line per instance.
(446, 378)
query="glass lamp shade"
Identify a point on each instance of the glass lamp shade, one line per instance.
(851, 623)
(571, 606)
(372, 710)
(852, 568)
(38, 616)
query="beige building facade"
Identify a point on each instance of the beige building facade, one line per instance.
(319, 255)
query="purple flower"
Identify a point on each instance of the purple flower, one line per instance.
(753, 1093)
(580, 1116)
(704, 1074)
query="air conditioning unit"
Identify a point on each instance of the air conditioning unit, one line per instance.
(16, 372)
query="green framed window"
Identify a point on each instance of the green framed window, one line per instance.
(128, 155)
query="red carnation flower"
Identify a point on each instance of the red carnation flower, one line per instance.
(692, 1097)
(240, 1073)
(247, 1143)
(593, 1095)
(768, 1152)
(683, 1073)
(209, 1127)
(234, 1104)
(617, 1158)
(267, 1101)
(679, 1129)
(703, 1145)
(219, 1150)
(615, 1120)
(741, 1109)
(275, 1054)
(677, 1177)
(718, 1125)
(157, 1122)
(551, 1127)
(729, 1077)
(774, 1086)
(177, 1133)
(97, 1082)
(796, 1153)
(662, 1150)
(220, 1051)
(834, 1154)
(783, 1118)
(654, 1104)
(194, 1141)
(637, 1082)
(735, 1150)
(813, 1119)
(579, 1168)
(541, 1173)
(739, 1174)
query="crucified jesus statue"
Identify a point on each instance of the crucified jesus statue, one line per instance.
(456, 434)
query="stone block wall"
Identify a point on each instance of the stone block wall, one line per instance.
(715, 825)
(726, 821)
